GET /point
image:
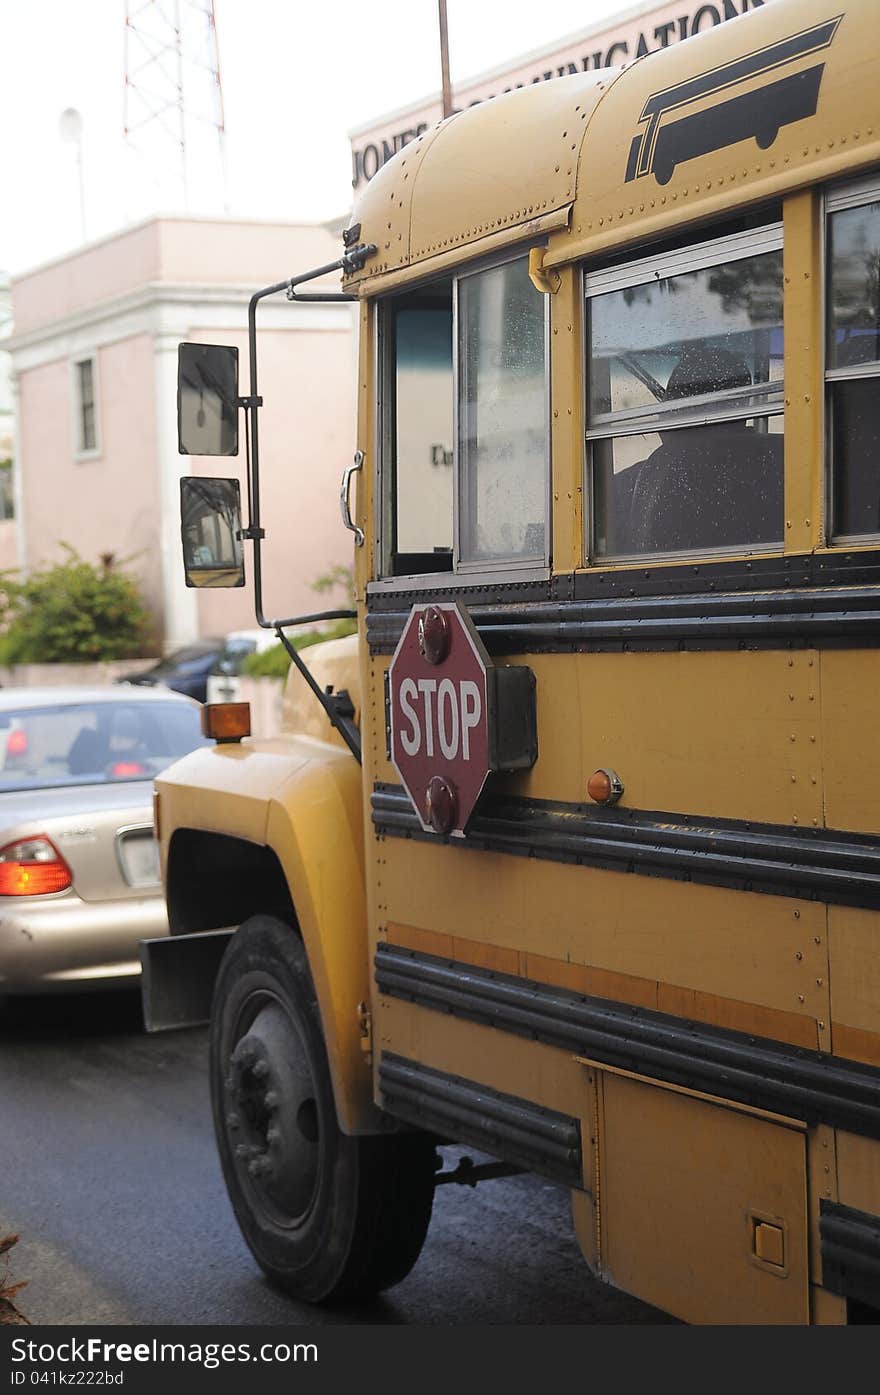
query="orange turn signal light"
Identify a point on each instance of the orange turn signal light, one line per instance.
(226, 721)
(605, 786)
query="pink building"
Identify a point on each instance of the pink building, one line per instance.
(94, 357)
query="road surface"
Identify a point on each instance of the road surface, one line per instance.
(111, 1179)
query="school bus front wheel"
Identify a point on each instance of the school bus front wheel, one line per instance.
(326, 1216)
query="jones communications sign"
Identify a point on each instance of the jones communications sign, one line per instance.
(602, 46)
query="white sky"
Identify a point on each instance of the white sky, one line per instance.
(296, 78)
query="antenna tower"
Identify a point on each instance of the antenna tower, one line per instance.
(175, 133)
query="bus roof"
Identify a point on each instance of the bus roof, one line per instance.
(779, 98)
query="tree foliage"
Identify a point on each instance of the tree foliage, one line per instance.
(72, 612)
(274, 662)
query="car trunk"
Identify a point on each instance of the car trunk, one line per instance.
(103, 832)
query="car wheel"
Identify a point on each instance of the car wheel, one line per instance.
(325, 1215)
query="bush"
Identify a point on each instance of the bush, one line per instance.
(274, 662)
(72, 612)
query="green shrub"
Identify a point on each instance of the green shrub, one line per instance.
(274, 662)
(72, 612)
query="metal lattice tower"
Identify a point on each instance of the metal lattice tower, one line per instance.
(174, 127)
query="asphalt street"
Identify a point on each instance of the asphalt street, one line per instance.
(111, 1180)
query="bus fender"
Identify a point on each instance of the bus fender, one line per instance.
(314, 826)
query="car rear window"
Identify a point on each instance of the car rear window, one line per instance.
(75, 743)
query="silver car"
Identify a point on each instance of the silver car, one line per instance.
(79, 872)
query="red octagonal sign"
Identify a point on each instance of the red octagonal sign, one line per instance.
(439, 699)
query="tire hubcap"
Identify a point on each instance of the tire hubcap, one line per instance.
(272, 1119)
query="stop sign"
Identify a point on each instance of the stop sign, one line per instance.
(439, 715)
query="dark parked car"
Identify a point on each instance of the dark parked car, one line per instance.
(185, 670)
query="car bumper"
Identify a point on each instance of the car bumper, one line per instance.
(68, 944)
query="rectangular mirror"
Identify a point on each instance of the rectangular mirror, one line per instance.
(207, 399)
(210, 525)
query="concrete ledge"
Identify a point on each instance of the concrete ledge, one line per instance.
(78, 675)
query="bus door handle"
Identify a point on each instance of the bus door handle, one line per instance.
(343, 498)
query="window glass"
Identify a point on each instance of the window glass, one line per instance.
(503, 417)
(701, 332)
(93, 743)
(659, 506)
(85, 381)
(855, 428)
(853, 356)
(423, 429)
(7, 497)
(854, 292)
(685, 392)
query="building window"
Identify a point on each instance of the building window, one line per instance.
(853, 361)
(685, 400)
(85, 385)
(7, 498)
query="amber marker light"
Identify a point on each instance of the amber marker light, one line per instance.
(605, 786)
(226, 721)
(33, 867)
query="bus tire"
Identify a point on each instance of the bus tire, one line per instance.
(326, 1216)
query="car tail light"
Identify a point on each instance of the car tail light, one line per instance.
(16, 742)
(127, 769)
(32, 867)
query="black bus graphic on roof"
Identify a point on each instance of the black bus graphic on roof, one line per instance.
(759, 112)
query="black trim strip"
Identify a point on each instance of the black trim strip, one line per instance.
(811, 864)
(504, 1125)
(767, 1075)
(750, 65)
(770, 602)
(765, 619)
(850, 1242)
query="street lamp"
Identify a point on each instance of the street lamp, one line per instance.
(70, 129)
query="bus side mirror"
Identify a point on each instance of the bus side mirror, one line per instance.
(207, 399)
(210, 527)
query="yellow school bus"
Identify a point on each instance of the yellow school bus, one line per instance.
(571, 854)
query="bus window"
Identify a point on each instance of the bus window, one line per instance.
(853, 362)
(685, 400)
(503, 418)
(421, 421)
(498, 513)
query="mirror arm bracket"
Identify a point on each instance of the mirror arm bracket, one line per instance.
(337, 708)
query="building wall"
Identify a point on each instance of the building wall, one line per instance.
(8, 528)
(307, 426)
(130, 300)
(239, 253)
(106, 502)
(8, 545)
(99, 272)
